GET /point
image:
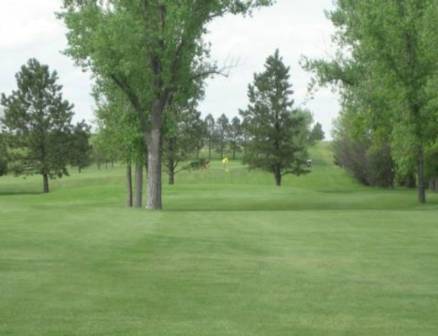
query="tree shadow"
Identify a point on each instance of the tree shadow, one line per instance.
(4, 193)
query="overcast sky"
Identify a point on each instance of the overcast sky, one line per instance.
(28, 28)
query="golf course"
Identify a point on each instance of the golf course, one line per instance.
(231, 254)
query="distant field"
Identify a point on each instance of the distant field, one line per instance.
(231, 255)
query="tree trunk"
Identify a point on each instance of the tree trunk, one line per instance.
(45, 183)
(129, 184)
(171, 160)
(172, 175)
(154, 201)
(234, 153)
(434, 184)
(421, 178)
(277, 175)
(138, 201)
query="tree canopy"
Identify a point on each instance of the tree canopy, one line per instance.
(277, 134)
(150, 49)
(38, 122)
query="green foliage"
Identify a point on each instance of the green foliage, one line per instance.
(38, 121)
(386, 68)
(3, 155)
(276, 133)
(235, 136)
(317, 134)
(222, 132)
(120, 135)
(211, 135)
(151, 50)
(80, 153)
(183, 137)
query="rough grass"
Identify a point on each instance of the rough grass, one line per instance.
(231, 255)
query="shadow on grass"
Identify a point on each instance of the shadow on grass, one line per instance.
(20, 193)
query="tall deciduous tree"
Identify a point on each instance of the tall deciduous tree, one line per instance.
(148, 48)
(386, 64)
(39, 121)
(276, 133)
(120, 133)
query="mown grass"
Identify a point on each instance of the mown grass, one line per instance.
(231, 255)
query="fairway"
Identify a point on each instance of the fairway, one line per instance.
(231, 255)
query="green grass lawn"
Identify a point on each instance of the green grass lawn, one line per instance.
(231, 255)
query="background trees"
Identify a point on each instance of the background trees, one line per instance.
(317, 134)
(80, 147)
(277, 134)
(235, 136)
(210, 125)
(3, 154)
(38, 120)
(222, 132)
(149, 49)
(386, 67)
(120, 137)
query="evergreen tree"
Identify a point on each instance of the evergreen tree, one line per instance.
(317, 134)
(3, 155)
(181, 139)
(276, 133)
(80, 153)
(38, 121)
(235, 136)
(222, 131)
(210, 125)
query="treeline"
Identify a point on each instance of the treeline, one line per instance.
(386, 69)
(271, 134)
(37, 133)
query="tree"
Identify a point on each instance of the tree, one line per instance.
(181, 138)
(120, 136)
(317, 134)
(277, 134)
(210, 125)
(222, 131)
(3, 155)
(360, 155)
(388, 55)
(39, 121)
(80, 153)
(149, 49)
(235, 136)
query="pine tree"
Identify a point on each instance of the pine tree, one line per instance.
(210, 125)
(222, 130)
(38, 121)
(276, 133)
(3, 155)
(235, 136)
(80, 153)
(317, 133)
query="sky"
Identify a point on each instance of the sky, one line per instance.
(29, 28)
